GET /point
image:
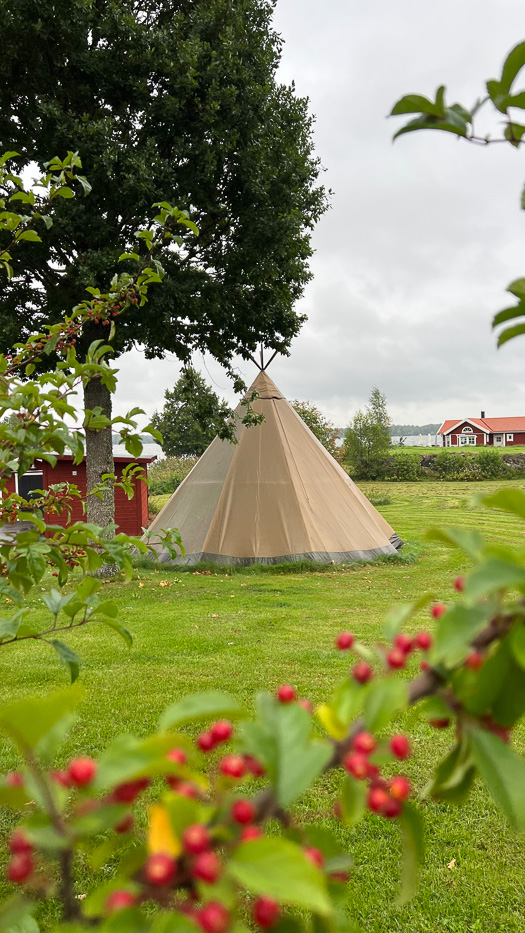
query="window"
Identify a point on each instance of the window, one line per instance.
(465, 439)
(468, 430)
(448, 440)
(510, 437)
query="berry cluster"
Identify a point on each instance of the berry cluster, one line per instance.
(385, 796)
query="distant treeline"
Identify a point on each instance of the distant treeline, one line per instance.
(405, 430)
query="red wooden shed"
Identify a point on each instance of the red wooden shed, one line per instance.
(492, 432)
(131, 515)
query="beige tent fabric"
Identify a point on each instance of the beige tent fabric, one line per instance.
(276, 495)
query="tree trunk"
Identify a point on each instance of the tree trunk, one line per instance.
(99, 456)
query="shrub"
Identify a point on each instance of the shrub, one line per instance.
(405, 467)
(166, 475)
(490, 464)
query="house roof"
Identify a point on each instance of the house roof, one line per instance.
(487, 425)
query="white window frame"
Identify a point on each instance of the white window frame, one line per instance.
(467, 440)
(467, 430)
(448, 440)
(510, 437)
(30, 473)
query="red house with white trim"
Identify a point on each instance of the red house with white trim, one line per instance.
(483, 432)
(131, 515)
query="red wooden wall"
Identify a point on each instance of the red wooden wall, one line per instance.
(131, 515)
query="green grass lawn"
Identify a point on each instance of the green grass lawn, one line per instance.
(255, 629)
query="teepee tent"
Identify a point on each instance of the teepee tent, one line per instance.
(277, 495)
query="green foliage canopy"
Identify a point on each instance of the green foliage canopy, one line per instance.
(164, 101)
(192, 416)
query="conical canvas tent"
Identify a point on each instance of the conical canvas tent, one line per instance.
(277, 495)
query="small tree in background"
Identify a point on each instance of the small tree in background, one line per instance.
(192, 416)
(324, 430)
(377, 408)
(367, 439)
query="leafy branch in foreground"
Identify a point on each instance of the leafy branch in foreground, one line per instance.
(459, 120)
(37, 405)
(222, 847)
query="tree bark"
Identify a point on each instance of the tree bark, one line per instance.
(99, 456)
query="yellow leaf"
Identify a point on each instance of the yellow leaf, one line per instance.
(161, 837)
(332, 724)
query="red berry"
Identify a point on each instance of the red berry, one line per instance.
(243, 811)
(404, 643)
(437, 610)
(356, 764)
(400, 787)
(400, 746)
(423, 640)
(196, 839)
(184, 788)
(286, 694)
(459, 584)
(207, 867)
(213, 917)
(439, 723)
(396, 659)
(178, 756)
(251, 832)
(118, 900)
(129, 790)
(364, 742)
(19, 842)
(314, 855)
(221, 731)
(362, 672)
(392, 808)
(82, 771)
(265, 912)
(205, 741)
(126, 824)
(344, 641)
(474, 661)
(253, 766)
(306, 705)
(160, 869)
(377, 799)
(15, 779)
(424, 666)
(233, 766)
(20, 867)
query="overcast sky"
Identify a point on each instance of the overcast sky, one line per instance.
(422, 237)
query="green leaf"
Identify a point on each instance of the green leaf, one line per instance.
(503, 773)
(353, 800)
(398, 615)
(281, 739)
(456, 630)
(68, 657)
(27, 721)
(411, 825)
(416, 103)
(55, 601)
(278, 868)
(347, 701)
(517, 643)
(493, 575)
(30, 235)
(128, 758)
(454, 776)
(508, 500)
(64, 192)
(513, 64)
(451, 122)
(10, 627)
(120, 629)
(508, 314)
(173, 922)
(384, 699)
(469, 541)
(510, 333)
(210, 705)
